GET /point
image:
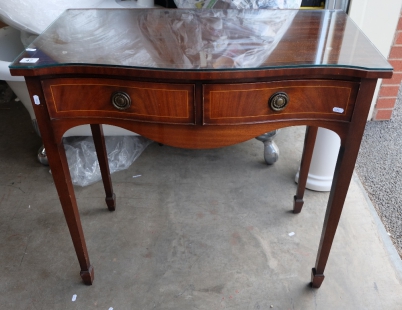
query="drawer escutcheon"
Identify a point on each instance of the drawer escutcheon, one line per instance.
(278, 101)
(121, 100)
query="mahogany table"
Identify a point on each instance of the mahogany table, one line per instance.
(202, 79)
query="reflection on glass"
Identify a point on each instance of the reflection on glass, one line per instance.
(213, 38)
(204, 40)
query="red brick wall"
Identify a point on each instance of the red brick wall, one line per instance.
(390, 87)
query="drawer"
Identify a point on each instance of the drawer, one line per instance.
(151, 102)
(306, 99)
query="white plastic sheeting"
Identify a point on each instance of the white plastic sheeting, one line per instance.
(83, 162)
(238, 4)
(34, 16)
(170, 39)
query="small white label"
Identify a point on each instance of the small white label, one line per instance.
(29, 60)
(30, 49)
(36, 99)
(338, 110)
(74, 297)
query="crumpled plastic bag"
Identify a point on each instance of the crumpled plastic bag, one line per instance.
(83, 162)
(238, 4)
(213, 39)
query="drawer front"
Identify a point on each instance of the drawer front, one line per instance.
(250, 103)
(151, 102)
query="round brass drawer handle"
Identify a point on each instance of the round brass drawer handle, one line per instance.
(278, 101)
(121, 100)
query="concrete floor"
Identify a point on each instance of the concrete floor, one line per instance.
(202, 229)
(379, 167)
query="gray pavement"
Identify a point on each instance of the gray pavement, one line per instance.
(205, 229)
(379, 167)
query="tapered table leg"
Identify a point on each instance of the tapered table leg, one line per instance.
(340, 185)
(61, 175)
(350, 144)
(99, 141)
(309, 141)
(62, 179)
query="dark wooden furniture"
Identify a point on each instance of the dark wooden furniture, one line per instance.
(218, 78)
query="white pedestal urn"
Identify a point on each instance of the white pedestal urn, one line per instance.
(323, 162)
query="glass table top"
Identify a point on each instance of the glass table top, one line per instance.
(181, 39)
